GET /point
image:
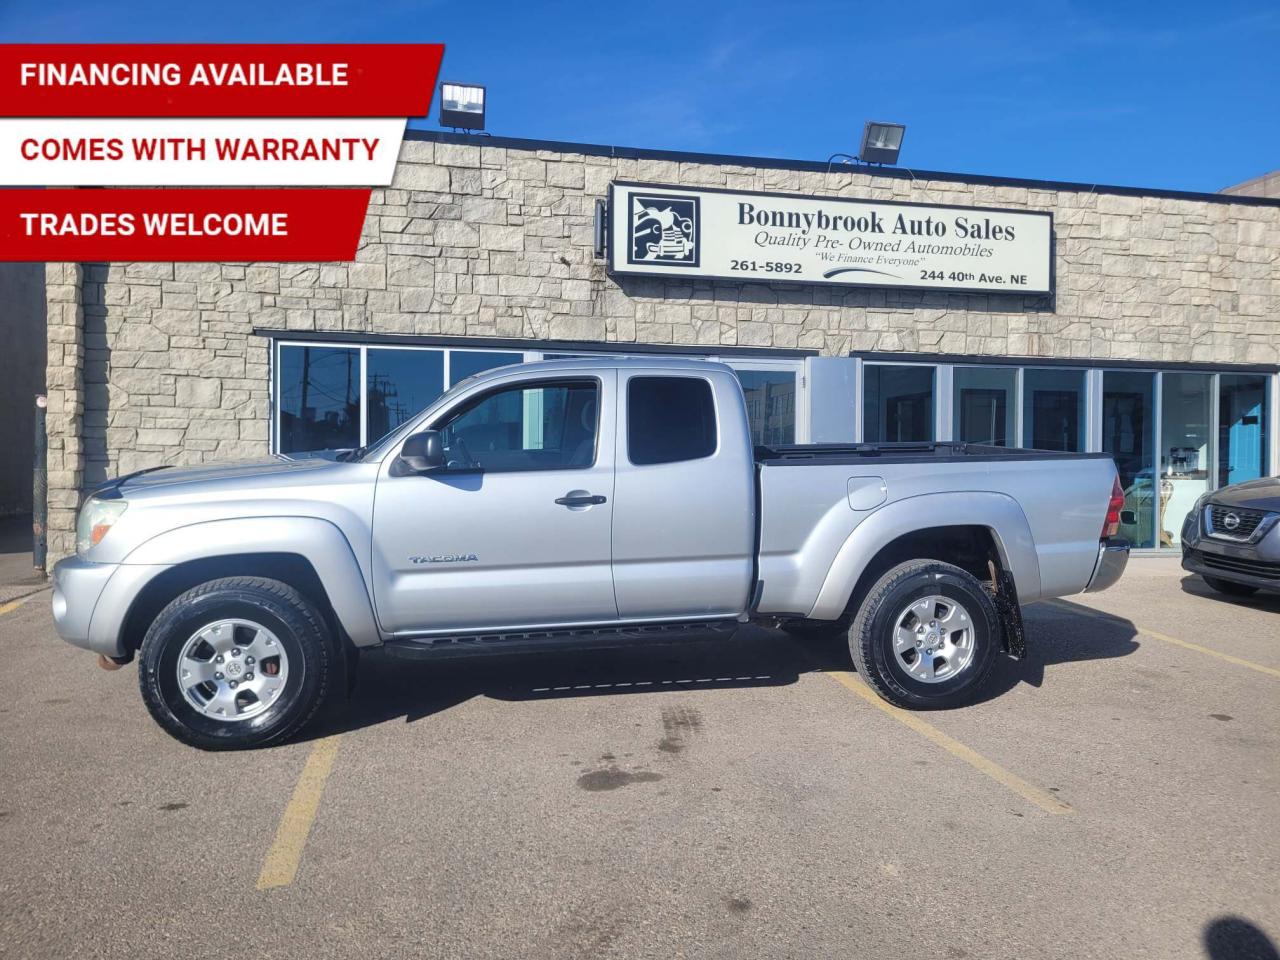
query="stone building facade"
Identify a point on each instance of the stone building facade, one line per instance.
(161, 363)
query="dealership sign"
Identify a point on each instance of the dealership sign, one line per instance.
(657, 230)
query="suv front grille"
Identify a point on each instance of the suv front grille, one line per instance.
(1233, 523)
(1253, 568)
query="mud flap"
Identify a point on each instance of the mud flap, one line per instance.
(1005, 596)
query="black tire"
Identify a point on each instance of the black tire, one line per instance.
(314, 660)
(1230, 588)
(871, 637)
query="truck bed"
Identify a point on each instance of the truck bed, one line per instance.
(826, 509)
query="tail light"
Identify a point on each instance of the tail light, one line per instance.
(1111, 526)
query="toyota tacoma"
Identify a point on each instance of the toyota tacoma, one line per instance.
(573, 503)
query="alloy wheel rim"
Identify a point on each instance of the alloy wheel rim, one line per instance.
(232, 669)
(933, 639)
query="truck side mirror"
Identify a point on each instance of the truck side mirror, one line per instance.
(423, 452)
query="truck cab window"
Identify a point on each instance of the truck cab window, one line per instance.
(551, 427)
(670, 419)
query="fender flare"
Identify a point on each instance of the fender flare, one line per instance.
(997, 512)
(320, 542)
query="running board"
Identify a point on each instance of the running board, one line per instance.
(537, 641)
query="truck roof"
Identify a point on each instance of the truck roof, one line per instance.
(605, 363)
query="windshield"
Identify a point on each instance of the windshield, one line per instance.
(378, 449)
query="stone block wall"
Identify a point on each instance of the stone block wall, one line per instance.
(64, 387)
(158, 363)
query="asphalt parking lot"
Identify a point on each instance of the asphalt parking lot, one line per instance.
(1115, 796)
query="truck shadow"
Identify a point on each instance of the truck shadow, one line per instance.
(389, 689)
(1061, 632)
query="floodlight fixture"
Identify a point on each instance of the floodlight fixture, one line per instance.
(881, 142)
(462, 106)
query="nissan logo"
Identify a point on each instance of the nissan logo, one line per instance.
(1231, 521)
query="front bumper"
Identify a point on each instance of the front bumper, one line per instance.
(1113, 557)
(77, 585)
(91, 602)
(1253, 562)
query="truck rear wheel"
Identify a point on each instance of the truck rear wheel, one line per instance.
(925, 636)
(237, 662)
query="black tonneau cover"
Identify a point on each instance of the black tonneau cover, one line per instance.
(938, 451)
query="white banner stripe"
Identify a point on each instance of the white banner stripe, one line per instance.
(205, 152)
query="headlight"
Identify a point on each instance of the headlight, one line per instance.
(96, 518)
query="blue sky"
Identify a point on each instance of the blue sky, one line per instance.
(1174, 95)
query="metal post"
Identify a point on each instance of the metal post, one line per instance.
(40, 490)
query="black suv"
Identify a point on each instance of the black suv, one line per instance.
(1232, 538)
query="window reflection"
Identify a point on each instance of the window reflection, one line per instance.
(897, 403)
(771, 405)
(1053, 416)
(400, 384)
(319, 398)
(984, 404)
(467, 363)
(1186, 408)
(1242, 428)
(1128, 434)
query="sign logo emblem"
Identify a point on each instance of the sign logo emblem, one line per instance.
(1231, 521)
(663, 229)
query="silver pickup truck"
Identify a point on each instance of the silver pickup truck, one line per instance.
(583, 502)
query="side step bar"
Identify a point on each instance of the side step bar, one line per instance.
(538, 641)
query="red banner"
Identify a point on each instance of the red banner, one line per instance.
(218, 80)
(171, 225)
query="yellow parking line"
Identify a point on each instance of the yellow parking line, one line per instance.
(1099, 615)
(281, 865)
(16, 602)
(1041, 798)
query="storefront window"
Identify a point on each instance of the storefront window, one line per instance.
(1053, 409)
(1186, 412)
(399, 384)
(897, 403)
(1128, 434)
(771, 405)
(319, 398)
(985, 405)
(1242, 428)
(467, 363)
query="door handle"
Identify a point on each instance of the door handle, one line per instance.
(581, 500)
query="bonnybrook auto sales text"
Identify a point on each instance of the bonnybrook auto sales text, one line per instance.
(800, 224)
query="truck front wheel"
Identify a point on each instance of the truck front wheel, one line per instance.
(237, 662)
(925, 636)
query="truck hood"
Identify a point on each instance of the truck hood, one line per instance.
(1260, 494)
(266, 470)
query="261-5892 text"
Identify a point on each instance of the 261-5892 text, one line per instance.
(765, 266)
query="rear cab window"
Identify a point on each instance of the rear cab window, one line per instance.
(670, 419)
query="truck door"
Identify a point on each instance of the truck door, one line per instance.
(684, 507)
(515, 530)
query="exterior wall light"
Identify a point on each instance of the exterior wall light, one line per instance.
(462, 106)
(881, 142)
